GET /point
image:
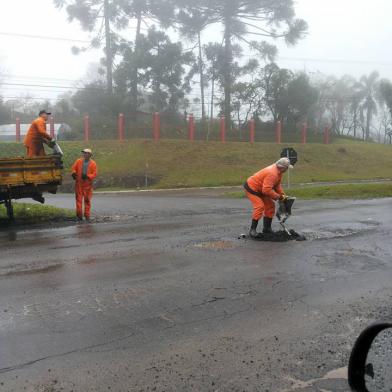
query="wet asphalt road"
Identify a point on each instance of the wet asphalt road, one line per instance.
(165, 297)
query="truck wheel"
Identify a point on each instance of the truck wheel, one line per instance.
(10, 209)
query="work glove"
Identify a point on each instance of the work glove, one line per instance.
(52, 143)
(84, 177)
(283, 197)
(74, 176)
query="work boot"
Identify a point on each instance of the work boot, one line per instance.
(253, 232)
(267, 222)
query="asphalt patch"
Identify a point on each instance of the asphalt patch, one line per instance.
(277, 236)
(220, 245)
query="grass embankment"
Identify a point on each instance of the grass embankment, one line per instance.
(175, 163)
(35, 213)
(344, 191)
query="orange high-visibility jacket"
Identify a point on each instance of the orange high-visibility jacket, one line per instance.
(92, 171)
(268, 182)
(36, 133)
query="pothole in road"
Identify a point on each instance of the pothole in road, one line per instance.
(331, 232)
(326, 234)
(298, 385)
(218, 245)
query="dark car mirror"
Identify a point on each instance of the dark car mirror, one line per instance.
(370, 363)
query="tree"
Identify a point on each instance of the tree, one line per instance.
(162, 66)
(301, 96)
(162, 12)
(91, 100)
(247, 96)
(98, 16)
(355, 110)
(384, 123)
(385, 89)
(339, 100)
(101, 107)
(192, 22)
(366, 90)
(286, 96)
(214, 56)
(5, 113)
(274, 82)
(257, 18)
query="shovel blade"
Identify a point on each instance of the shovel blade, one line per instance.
(284, 208)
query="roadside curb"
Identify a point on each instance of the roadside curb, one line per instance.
(239, 187)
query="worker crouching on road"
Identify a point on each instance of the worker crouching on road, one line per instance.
(84, 171)
(263, 189)
(36, 136)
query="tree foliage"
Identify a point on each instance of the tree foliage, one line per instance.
(212, 57)
(251, 22)
(367, 92)
(161, 65)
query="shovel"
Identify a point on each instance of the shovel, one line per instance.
(57, 149)
(284, 212)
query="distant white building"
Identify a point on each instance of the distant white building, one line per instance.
(8, 131)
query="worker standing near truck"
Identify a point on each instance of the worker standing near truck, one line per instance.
(36, 136)
(84, 171)
(263, 189)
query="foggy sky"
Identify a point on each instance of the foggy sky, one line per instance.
(345, 37)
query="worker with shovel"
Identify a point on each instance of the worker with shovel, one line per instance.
(36, 136)
(263, 189)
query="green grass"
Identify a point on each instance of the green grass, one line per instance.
(354, 191)
(344, 191)
(176, 163)
(113, 189)
(36, 213)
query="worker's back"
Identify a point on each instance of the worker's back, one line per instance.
(34, 134)
(257, 181)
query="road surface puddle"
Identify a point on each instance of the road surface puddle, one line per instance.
(218, 245)
(331, 232)
(328, 235)
(298, 385)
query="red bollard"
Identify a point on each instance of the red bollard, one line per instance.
(121, 124)
(252, 126)
(304, 131)
(156, 126)
(326, 135)
(191, 127)
(51, 127)
(223, 129)
(278, 132)
(86, 123)
(17, 129)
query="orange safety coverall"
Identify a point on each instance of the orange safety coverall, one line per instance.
(267, 182)
(34, 138)
(84, 188)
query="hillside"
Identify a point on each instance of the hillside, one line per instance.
(173, 163)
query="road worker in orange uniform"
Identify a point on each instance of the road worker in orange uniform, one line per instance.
(36, 136)
(263, 189)
(84, 171)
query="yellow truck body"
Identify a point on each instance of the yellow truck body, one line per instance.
(30, 171)
(28, 177)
